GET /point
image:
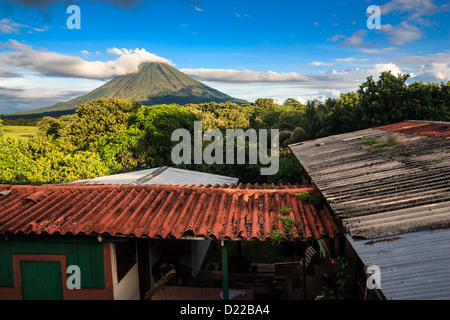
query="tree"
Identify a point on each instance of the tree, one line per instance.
(383, 101)
(264, 102)
(301, 126)
(49, 126)
(290, 101)
(387, 100)
(95, 119)
(39, 160)
(153, 127)
(1, 128)
(220, 116)
(430, 101)
(344, 114)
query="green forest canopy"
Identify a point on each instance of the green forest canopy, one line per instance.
(107, 136)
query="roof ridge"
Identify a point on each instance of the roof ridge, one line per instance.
(41, 191)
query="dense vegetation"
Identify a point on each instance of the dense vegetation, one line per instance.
(107, 136)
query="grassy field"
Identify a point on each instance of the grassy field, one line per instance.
(19, 132)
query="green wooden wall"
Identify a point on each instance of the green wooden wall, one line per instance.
(85, 252)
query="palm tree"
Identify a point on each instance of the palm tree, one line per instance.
(298, 127)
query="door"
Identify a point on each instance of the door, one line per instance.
(41, 280)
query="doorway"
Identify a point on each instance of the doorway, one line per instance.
(41, 280)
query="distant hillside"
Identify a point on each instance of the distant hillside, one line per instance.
(154, 83)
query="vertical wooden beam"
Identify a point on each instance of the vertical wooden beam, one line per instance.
(225, 270)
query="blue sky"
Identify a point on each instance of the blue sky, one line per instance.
(248, 49)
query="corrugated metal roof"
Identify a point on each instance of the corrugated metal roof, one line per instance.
(161, 175)
(412, 265)
(232, 212)
(398, 181)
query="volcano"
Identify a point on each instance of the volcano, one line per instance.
(153, 83)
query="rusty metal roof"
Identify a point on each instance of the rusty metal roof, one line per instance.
(380, 189)
(161, 211)
(436, 129)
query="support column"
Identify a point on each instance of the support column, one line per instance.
(225, 270)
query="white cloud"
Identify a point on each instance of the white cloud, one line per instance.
(433, 67)
(415, 8)
(438, 70)
(376, 51)
(330, 93)
(335, 71)
(356, 39)
(407, 31)
(320, 63)
(442, 57)
(336, 37)
(45, 28)
(29, 90)
(57, 64)
(402, 33)
(381, 67)
(240, 16)
(8, 26)
(115, 51)
(413, 12)
(334, 61)
(19, 98)
(350, 59)
(301, 99)
(38, 93)
(332, 82)
(237, 76)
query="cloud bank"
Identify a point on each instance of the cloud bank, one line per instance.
(50, 63)
(244, 76)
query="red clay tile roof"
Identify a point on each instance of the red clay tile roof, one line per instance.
(245, 211)
(431, 129)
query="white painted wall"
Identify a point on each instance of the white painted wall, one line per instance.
(199, 248)
(128, 287)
